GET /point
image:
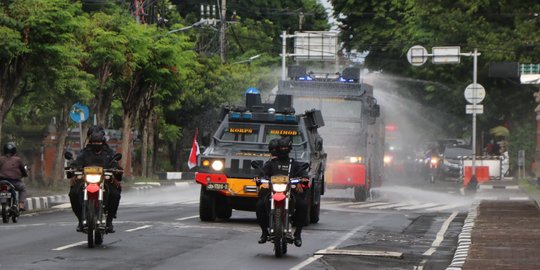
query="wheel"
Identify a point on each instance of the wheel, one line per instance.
(360, 194)
(98, 239)
(207, 205)
(223, 209)
(278, 232)
(5, 215)
(91, 222)
(284, 246)
(315, 211)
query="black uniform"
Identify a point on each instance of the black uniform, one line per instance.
(280, 166)
(103, 158)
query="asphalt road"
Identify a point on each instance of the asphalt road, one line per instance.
(410, 224)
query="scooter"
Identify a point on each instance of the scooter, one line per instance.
(10, 202)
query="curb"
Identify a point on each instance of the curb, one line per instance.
(35, 203)
(464, 239)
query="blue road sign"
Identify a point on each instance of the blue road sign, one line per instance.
(79, 112)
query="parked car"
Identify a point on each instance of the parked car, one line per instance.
(452, 164)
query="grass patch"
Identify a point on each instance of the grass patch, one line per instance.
(531, 188)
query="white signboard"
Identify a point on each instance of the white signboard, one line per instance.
(445, 55)
(529, 78)
(417, 55)
(316, 45)
(478, 109)
(475, 93)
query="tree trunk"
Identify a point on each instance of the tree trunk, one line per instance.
(152, 142)
(58, 169)
(144, 148)
(126, 141)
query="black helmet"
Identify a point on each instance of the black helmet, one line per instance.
(96, 134)
(273, 146)
(10, 148)
(284, 147)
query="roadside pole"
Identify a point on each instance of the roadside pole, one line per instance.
(474, 93)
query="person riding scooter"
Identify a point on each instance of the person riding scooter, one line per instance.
(279, 164)
(12, 169)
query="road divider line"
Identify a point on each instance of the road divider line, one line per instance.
(139, 228)
(440, 235)
(70, 245)
(186, 218)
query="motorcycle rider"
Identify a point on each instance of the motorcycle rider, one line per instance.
(279, 164)
(96, 153)
(12, 169)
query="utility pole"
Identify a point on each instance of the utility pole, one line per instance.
(222, 38)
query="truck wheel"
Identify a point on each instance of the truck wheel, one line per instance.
(223, 209)
(314, 213)
(360, 194)
(207, 205)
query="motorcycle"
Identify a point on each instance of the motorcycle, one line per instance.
(280, 233)
(10, 202)
(94, 212)
(433, 173)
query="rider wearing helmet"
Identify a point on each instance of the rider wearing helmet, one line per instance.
(279, 164)
(12, 169)
(96, 153)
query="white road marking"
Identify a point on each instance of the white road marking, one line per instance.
(368, 205)
(70, 245)
(440, 235)
(390, 205)
(62, 206)
(425, 205)
(186, 218)
(139, 228)
(333, 246)
(444, 207)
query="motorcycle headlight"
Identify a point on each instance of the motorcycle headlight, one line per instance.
(434, 161)
(93, 178)
(279, 187)
(217, 165)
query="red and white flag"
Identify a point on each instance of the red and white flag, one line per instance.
(192, 162)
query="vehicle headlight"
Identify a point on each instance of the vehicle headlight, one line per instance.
(355, 159)
(279, 187)
(387, 159)
(93, 178)
(434, 161)
(217, 165)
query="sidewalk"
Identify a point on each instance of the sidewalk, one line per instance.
(502, 230)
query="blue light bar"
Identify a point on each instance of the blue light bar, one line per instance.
(235, 115)
(247, 116)
(280, 117)
(305, 78)
(291, 118)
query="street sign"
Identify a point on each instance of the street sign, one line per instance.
(476, 108)
(79, 112)
(316, 46)
(475, 94)
(445, 55)
(417, 55)
(521, 158)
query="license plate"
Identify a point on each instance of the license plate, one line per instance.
(5, 195)
(280, 179)
(93, 170)
(217, 186)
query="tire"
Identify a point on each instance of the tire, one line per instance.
(91, 222)
(223, 209)
(207, 205)
(315, 212)
(278, 232)
(98, 239)
(5, 215)
(360, 194)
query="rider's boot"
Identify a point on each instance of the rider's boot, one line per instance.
(110, 227)
(264, 236)
(298, 236)
(21, 207)
(80, 225)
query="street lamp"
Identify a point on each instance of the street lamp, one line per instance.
(474, 93)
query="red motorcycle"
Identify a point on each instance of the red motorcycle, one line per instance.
(281, 214)
(94, 212)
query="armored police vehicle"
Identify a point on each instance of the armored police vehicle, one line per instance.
(224, 169)
(354, 131)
